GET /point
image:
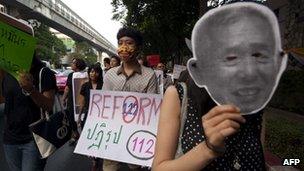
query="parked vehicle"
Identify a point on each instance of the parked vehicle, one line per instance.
(61, 79)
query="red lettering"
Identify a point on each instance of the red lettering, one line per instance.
(95, 100)
(153, 106)
(104, 106)
(115, 105)
(142, 106)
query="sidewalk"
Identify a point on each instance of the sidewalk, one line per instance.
(273, 162)
(272, 112)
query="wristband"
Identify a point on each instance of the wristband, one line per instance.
(217, 150)
(27, 93)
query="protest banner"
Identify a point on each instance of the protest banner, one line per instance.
(153, 60)
(78, 79)
(160, 80)
(121, 126)
(177, 70)
(16, 49)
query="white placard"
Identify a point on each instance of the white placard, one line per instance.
(121, 126)
(177, 70)
(160, 80)
(78, 79)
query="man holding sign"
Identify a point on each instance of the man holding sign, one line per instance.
(130, 76)
(21, 96)
(16, 46)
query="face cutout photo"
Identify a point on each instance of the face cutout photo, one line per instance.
(237, 55)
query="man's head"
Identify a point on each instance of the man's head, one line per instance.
(129, 43)
(106, 63)
(238, 55)
(115, 61)
(161, 66)
(78, 64)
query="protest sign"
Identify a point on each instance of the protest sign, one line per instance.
(16, 49)
(153, 60)
(177, 70)
(121, 126)
(78, 79)
(160, 80)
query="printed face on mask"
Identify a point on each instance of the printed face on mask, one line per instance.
(126, 48)
(242, 64)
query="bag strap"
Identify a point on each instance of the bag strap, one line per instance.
(42, 114)
(40, 78)
(183, 115)
(56, 98)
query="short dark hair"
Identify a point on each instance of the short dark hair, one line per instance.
(97, 69)
(129, 32)
(98, 63)
(117, 58)
(106, 60)
(80, 63)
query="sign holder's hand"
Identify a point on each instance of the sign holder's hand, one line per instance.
(26, 83)
(218, 124)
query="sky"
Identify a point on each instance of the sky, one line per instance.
(98, 14)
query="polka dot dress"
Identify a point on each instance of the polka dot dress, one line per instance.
(243, 150)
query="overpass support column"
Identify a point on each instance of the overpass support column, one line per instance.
(99, 56)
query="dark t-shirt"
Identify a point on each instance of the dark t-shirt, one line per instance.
(70, 105)
(20, 110)
(85, 91)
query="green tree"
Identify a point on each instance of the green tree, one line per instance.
(164, 24)
(49, 47)
(84, 51)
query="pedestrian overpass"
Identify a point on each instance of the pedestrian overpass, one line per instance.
(59, 16)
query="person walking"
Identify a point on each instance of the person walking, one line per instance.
(67, 98)
(95, 83)
(129, 76)
(22, 107)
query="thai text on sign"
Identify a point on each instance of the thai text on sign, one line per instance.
(16, 49)
(121, 126)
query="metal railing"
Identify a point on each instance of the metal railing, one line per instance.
(65, 12)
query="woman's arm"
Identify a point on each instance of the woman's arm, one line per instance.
(167, 140)
(43, 100)
(216, 129)
(65, 95)
(82, 104)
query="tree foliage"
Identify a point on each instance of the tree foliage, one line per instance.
(164, 23)
(84, 51)
(49, 47)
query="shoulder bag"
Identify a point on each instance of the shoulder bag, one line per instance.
(51, 131)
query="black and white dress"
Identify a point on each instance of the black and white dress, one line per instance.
(243, 150)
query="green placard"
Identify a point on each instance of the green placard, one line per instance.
(16, 49)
